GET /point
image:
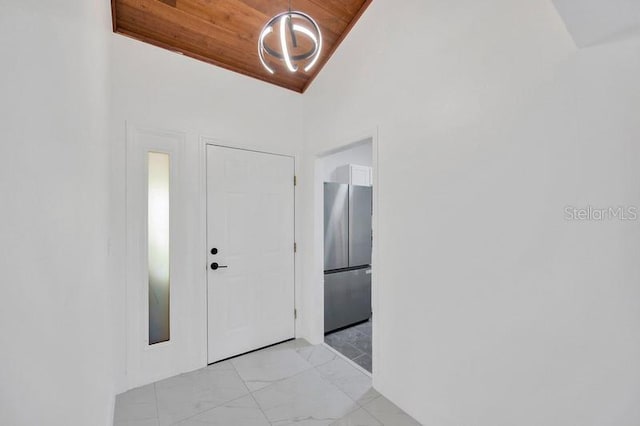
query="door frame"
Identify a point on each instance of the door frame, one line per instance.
(146, 363)
(206, 141)
(318, 243)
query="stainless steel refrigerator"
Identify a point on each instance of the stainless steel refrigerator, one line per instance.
(347, 255)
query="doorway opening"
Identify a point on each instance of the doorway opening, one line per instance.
(347, 209)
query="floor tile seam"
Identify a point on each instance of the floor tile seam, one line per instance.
(364, 407)
(337, 387)
(362, 404)
(331, 418)
(353, 330)
(310, 366)
(325, 380)
(222, 404)
(323, 375)
(300, 355)
(361, 350)
(354, 347)
(361, 333)
(275, 382)
(353, 344)
(249, 392)
(358, 408)
(155, 395)
(360, 356)
(350, 361)
(177, 422)
(260, 408)
(318, 365)
(358, 404)
(235, 370)
(326, 362)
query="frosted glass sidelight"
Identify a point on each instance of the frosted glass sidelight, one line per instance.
(158, 247)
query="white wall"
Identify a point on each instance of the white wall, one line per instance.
(493, 310)
(600, 21)
(360, 154)
(158, 89)
(55, 339)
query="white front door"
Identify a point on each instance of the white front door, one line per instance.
(250, 235)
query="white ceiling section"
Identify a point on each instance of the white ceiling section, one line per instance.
(591, 22)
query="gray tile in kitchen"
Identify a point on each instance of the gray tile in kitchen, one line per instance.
(304, 399)
(339, 343)
(388, 413)
(364, 328)
(357, 418)
(365, 362)
(353, 342)
(243, 411)
(262, 368)
(362, 342)
(348, 334)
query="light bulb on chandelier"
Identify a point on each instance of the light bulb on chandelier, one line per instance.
(291, 25)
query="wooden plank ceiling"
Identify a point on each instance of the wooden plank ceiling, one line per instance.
(225, 32)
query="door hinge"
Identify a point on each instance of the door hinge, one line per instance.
(295, 180)
(295, 247)
(295, 314)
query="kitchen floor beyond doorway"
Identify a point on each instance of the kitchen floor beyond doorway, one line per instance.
(354, 343)
(292, 383)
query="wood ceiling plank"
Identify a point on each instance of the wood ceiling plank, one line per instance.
(191, 35)
(238, 17)
(345, 9)
(225, 32)
(114, 16)
(146, 16)
(331, 24)
(229, 14)
(221, 42)
(154, 16)
(154, 41)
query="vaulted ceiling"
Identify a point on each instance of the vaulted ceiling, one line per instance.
(225, 32)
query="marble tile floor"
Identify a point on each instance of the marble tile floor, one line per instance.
(354, 343)
(294, 383)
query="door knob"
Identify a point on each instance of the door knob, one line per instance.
(214, 251)
(215, 266)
